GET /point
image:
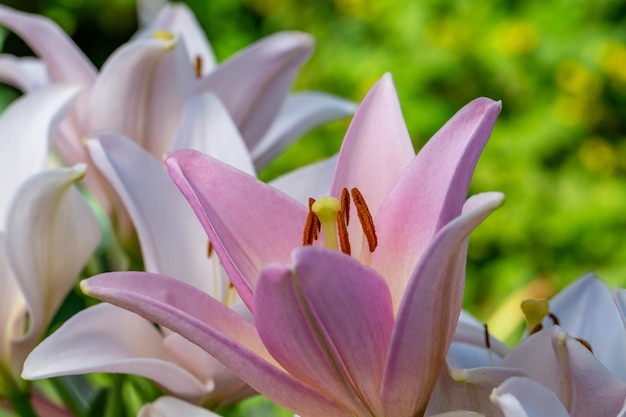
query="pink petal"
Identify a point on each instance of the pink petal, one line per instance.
(65, 61)
(140, 93)
(429, 311)
(46, 268)
(523, 397)
(299, 113)
(328, 322)
(212, 326)
(207, 127)
(377, 147)
(250, 224)
(171, 237)
(27, 126)
(254, 97)
(431, 192)
(176, 18)
(93, 341)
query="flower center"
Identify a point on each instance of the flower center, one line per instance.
(331, 216)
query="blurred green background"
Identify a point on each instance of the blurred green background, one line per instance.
(558, 151)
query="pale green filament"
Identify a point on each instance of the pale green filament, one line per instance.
(326, 209)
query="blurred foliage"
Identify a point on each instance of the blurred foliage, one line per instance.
(559, 148)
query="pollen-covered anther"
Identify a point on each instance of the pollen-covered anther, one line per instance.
(311, 226)
(535, 311)
(209, 249)
(345, 205)
(198, 66)
(342, 230)
(365, 218)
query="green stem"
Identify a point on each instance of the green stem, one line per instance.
(22, 405)
(114, 406)
(69, 399)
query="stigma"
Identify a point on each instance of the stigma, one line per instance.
(331, 216)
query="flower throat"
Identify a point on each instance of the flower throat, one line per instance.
(332, 217)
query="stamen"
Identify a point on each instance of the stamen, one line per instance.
(555, 320)
(311, 226)
(198, 66)
(488, 344)
(534, 311)
(585, 344)
(342, 228)
(209, 249)
(345, 205)
(326, 209)
(365, 218)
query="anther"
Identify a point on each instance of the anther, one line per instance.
(342, 231)
(488, 344)
(555, 320)
(198, 66)
(585, 344)
(345, 205)
(311, 226)
(365, 218)
(209, 249)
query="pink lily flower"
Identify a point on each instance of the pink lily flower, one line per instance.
(313, 351)
(37, 273)
(143, 88)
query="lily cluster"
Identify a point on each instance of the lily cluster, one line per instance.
(335, 290)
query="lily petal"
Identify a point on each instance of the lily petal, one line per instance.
(172, 239)
(65, 61)
(27, 74)
(218, 194)
(24, 148)
(173, 407)
(299, 113)
(254, 98)
(141, 91)
(523, 397)
(437, 281)
(207, 127)
(586, 310)
(94, 341)
(366, 161)
(48, 205)
(212, 326)
(434, 187)
(332, 326)
(179, 20)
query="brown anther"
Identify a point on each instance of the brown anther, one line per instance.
(585, 344)
(311, 226)
(209, 249)
(487, 341)
(345, 205)
(342, 231)
(365, 218)
(555, 320)
(198, 66)
(535, 329)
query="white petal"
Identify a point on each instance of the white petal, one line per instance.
(105, 338)
(51, 232)
(27, 126)
(298, 114)
(173, 407)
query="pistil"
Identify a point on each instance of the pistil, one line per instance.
(326, 210)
